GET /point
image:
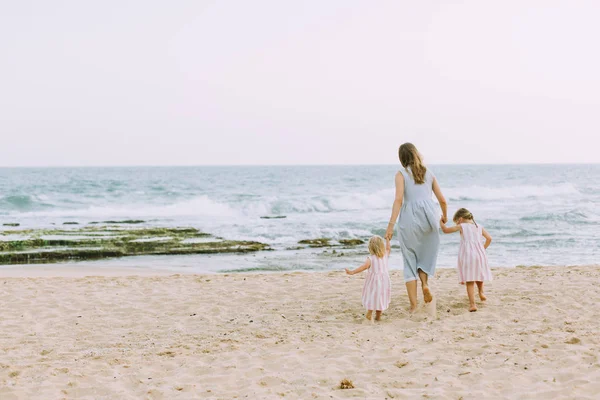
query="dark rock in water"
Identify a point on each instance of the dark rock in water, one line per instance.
(320, 242)
(351, 242)
(11, 224)
(70, 223)
(127, 221)
(273, 217)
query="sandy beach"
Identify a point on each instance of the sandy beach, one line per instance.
(295, 335)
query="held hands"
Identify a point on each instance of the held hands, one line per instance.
(389, 233)
(442, 223)
(444, 219)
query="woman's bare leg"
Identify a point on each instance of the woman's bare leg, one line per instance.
(471, 294)
(411, 289)
(480, 288)
(426, 292)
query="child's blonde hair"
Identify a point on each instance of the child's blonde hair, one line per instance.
(377, 246)
(465, 214)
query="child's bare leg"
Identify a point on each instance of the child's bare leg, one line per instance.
(369, 314)
(471, 294)
(377, 315)
(411, 289)
(480, 288)
(426, 292)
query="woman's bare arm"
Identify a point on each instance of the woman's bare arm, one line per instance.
(397, 206)
(488, 238)
(360, 269)
(441, 199)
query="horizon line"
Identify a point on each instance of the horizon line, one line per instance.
(283, 165)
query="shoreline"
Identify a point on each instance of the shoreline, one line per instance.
(62, 270)
(297, 335)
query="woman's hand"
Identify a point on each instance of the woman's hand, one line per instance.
(444, 219)
(389, 233)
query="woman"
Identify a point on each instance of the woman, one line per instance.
(419, 221)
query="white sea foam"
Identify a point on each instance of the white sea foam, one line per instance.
(509, 192)
(198, 206)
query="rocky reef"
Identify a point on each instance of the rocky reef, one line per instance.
(326, 242)
(109, 241)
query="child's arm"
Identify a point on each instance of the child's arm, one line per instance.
(360, 269)
(488, 238)
(445, 229)
(388, 246)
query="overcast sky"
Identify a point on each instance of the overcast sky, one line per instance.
(298, 82)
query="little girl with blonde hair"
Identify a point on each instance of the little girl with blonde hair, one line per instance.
(376, 292)
(473, 265)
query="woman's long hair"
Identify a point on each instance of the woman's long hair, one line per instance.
(410, 157)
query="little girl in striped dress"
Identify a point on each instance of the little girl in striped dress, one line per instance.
(376, 292)
(472, 260)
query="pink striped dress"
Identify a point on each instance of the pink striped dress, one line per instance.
(377, 290)
(472, 259)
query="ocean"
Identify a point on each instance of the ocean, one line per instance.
(536, 214)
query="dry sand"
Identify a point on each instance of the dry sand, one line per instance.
(296, 335)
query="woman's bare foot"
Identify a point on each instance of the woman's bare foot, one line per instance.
(427, 294)
(377, 315)
(472, 308)
(412, 309)
(482, 296)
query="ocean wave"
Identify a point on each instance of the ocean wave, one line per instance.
(573, 216)
(24, 202)
(198, 206)
(253, 206)
(509, 192)
(320, 204)
(527, 233)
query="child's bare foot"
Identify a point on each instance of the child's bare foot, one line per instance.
(369, 315)
(377, 315)
(472, 308)
(427, 294)
(480, 290)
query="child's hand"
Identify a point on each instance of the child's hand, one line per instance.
(348, 271)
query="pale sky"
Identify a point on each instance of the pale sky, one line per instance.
(152, 82)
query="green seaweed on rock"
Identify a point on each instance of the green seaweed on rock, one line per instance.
(88, 243)
(351, 242)
(320, 242)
